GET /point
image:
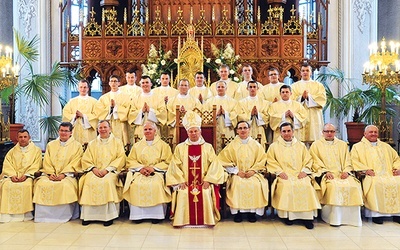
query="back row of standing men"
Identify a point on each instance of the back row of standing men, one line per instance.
(264, 107)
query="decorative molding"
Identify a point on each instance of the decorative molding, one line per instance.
(27, 10)
(362, 8)
(29, 115)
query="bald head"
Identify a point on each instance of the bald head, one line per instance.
(329, 132)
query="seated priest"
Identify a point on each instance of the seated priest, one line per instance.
(145, 188)
(194, 174)
(246, 188)
(16, 182)
(99, 188)
(56, 190)
(381, 185)
(341, 194)
(292, 193)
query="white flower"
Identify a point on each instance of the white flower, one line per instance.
(218, 61)
(231, 72)
(237, 57)
(176, 60)
(236, 79)
(208, 60)
(163, 62)
(151, 72)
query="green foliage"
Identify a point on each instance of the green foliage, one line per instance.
(365, 104)
(50, 124)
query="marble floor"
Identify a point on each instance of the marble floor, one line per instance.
(267, 233)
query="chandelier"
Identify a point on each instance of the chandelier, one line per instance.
(382, 70)
(8, 72)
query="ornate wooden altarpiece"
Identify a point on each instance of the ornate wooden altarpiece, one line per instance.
(117, 34)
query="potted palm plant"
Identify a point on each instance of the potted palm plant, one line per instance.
(365, 104)
(37, 87)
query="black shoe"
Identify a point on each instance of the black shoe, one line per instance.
(137, 221)
(251, 217)
(108, 223)
(308, 224)
(396, 219)
(288, 222)
(155, 221)
(238, 217)
(377, 220)
(85, 222)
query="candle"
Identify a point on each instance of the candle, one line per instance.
(213, 14)
(4, 72)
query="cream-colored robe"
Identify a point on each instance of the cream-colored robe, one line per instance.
(293, 194)
(119, 117)
(59, 159)
(224, 125)
(242, 92)
(317, 100)
(204, 91)
(245, 193)
(142, 191)
(162, 92)
(382, 191)
(158, 112)
(277, 116)
(231, 88)
(102, 154)
(178, 172)
(131, 90)
(84, 128)
(334, 157)
(258, 124)
(16, 197)
(271, 91)
(187, 101)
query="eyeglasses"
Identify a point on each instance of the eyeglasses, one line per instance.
(64, 131)
(329, 131)
(273, 74)
(113, 80)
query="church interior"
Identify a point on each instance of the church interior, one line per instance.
(92, 40)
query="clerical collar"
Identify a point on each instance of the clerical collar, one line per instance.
(245, 141)
(287, 101)
(24, 149)
(164, 86)
(374, 143)
(201, 87)
(131, 86)
(115, 92)
(288, 143)
(252, 97)
(147, 94)
(104, 139)
(221, 97)
(149, 143)
(183, 96)
(274, 84)
(198, 142)
(83, 96)
(330, 142)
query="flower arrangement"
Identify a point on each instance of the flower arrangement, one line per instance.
(225, 55)
(158, 61)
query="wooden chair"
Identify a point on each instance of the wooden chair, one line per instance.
(208, 126)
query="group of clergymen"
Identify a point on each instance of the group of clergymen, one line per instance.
(191, 176)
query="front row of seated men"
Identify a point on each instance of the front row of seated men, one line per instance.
(195, 173)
